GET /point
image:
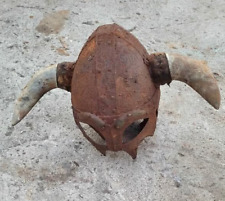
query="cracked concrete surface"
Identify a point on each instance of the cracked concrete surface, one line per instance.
(45, 157)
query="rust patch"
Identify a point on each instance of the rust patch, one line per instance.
(53, 23)
(64, 75)
(59, 173)
(159, 68)
(62, 52)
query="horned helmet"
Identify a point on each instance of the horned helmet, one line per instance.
(115, 87)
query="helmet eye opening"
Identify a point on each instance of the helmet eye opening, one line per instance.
(134, 129)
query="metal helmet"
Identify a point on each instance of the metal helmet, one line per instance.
(115, 87)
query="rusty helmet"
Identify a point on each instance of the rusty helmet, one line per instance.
(115, 87)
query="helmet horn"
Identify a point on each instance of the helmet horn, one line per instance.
(195, 73)
(51, 77)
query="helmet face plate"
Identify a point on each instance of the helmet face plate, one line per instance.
(111, 88)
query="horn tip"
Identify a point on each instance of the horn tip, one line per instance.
(216, 106)
(15, 119)
(215, 101)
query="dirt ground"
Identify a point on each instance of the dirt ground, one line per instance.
(46, 158)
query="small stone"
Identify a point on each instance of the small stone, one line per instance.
(181, 154)
(177, 182)
(88, 23)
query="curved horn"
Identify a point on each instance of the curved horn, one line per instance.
(195, 73)
(43, 81)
